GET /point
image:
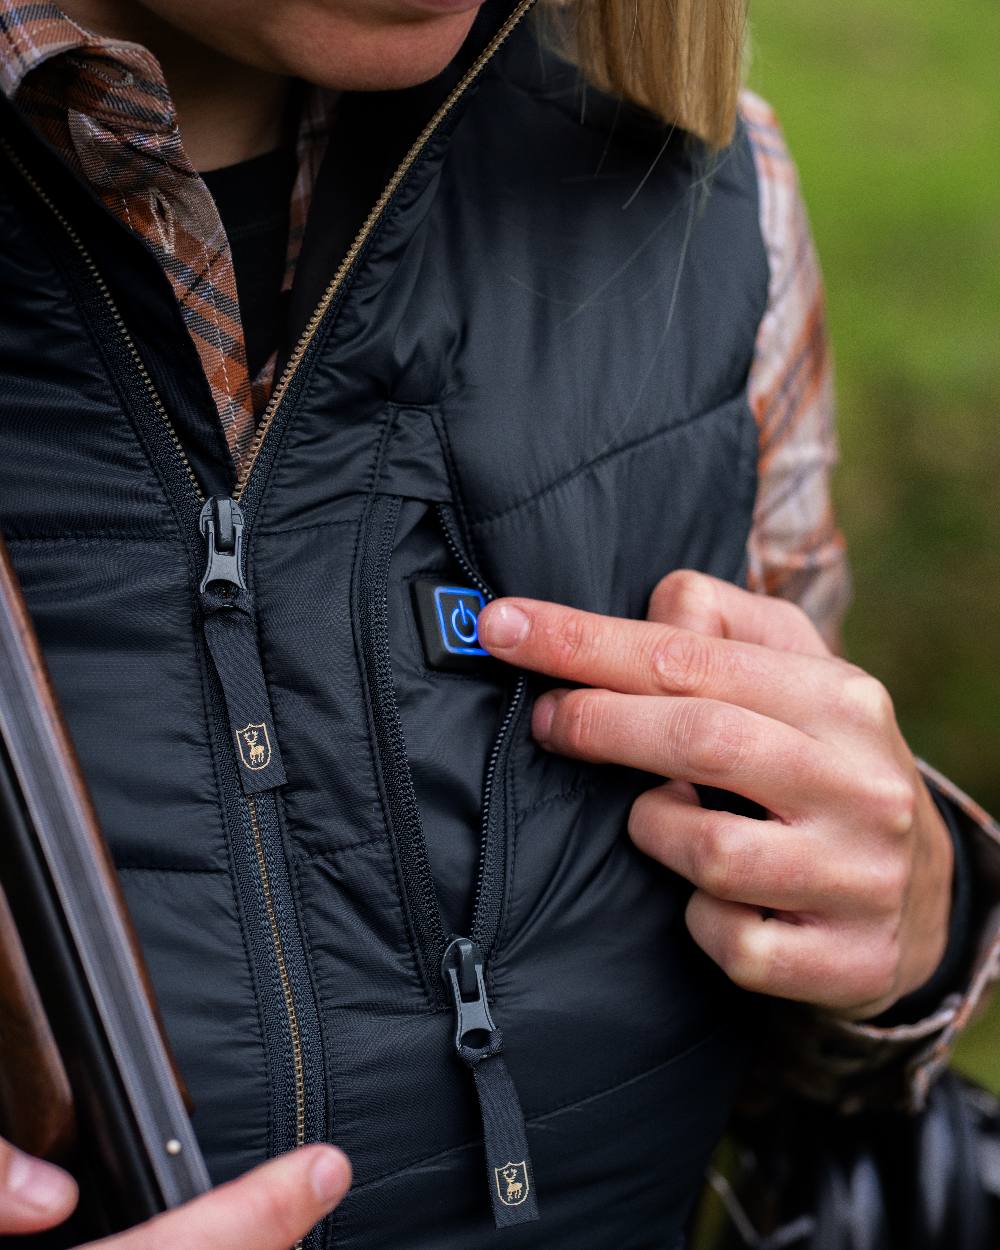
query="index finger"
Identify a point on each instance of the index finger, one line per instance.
(644, 657)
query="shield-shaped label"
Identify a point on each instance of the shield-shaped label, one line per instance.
(255, 747)
(512, 1183)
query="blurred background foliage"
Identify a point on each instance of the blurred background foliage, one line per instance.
(892, 110)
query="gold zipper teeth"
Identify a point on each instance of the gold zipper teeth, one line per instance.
(363, 234)
(298, 1066)
(287, 374)
(337, 281)
(108, 298)
(286, 985)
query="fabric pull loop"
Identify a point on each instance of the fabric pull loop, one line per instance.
(479, 1044)
(231, 634)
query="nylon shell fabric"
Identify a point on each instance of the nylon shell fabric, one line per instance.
(567, 378)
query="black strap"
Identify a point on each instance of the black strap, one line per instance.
(479, 1044)
(508, 1160)
(232, 639)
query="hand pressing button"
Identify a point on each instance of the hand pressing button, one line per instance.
(448, 617)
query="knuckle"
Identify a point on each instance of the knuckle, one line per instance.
(794, 614)
(747, 957)
(720, 741)
(579, 718)
(891, 799)
(865, 699)
(570, 639)
(682, 591)
(681, 661)
(718, 856)
(887, 880)
(800, 629)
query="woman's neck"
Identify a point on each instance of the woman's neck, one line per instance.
(227, 112)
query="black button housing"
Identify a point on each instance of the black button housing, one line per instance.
(448, 615)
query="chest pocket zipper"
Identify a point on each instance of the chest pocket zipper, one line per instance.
(453, 967)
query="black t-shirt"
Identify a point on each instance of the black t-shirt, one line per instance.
(253, 199)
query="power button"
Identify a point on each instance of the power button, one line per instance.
(448, 617)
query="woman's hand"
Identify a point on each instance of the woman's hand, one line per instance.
(270, 1208)
(841, 899)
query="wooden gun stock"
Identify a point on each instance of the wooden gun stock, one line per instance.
(36, 1102)
(85, 1074)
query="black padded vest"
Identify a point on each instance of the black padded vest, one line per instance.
(530, 378)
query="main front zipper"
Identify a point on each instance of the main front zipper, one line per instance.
(229, 621)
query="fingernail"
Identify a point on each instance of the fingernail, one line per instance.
(327, 1176)
(503, 626)
(541, 717)
(40, 1185)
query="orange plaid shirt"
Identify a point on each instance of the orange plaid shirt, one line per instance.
(795, 548)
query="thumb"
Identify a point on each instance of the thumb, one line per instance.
(33, 1195)
(270, 1208)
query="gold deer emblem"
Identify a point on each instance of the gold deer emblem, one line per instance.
(512, 1183)
(254, 753)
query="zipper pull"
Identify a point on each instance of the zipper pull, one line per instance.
(231, 634)
(221, 524)
(479, 1045)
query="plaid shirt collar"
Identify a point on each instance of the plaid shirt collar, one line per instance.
(112, 119)
(31, 34)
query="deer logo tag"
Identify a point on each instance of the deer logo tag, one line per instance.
(512, 1183)
(255, 747)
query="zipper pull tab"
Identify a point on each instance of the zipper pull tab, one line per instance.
(479, 1045)
(221, 524)
(231, 634)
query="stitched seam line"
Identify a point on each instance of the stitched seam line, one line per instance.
(382, 840)
(563, 796)
(541, 1116)
(304, 529)
(75, 536)
(598, 461)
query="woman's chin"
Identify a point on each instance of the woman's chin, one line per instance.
(369, 57)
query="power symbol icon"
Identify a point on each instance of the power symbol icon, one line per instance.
(448, 617)
(464, 622)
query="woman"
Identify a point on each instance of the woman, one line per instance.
(573, 354)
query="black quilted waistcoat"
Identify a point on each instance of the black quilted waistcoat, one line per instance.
(525, 375)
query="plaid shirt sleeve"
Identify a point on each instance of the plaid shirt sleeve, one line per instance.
(796, 551)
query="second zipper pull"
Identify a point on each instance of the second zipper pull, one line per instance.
(231, 634)
(479, 1044)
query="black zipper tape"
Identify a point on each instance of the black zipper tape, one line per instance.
(491, 874)
(396, 783)
(479, 1044)
(458, 964)
(231, 634)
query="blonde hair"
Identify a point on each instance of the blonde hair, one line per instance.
(682, 60)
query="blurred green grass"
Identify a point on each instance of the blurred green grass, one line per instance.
(892, 110)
